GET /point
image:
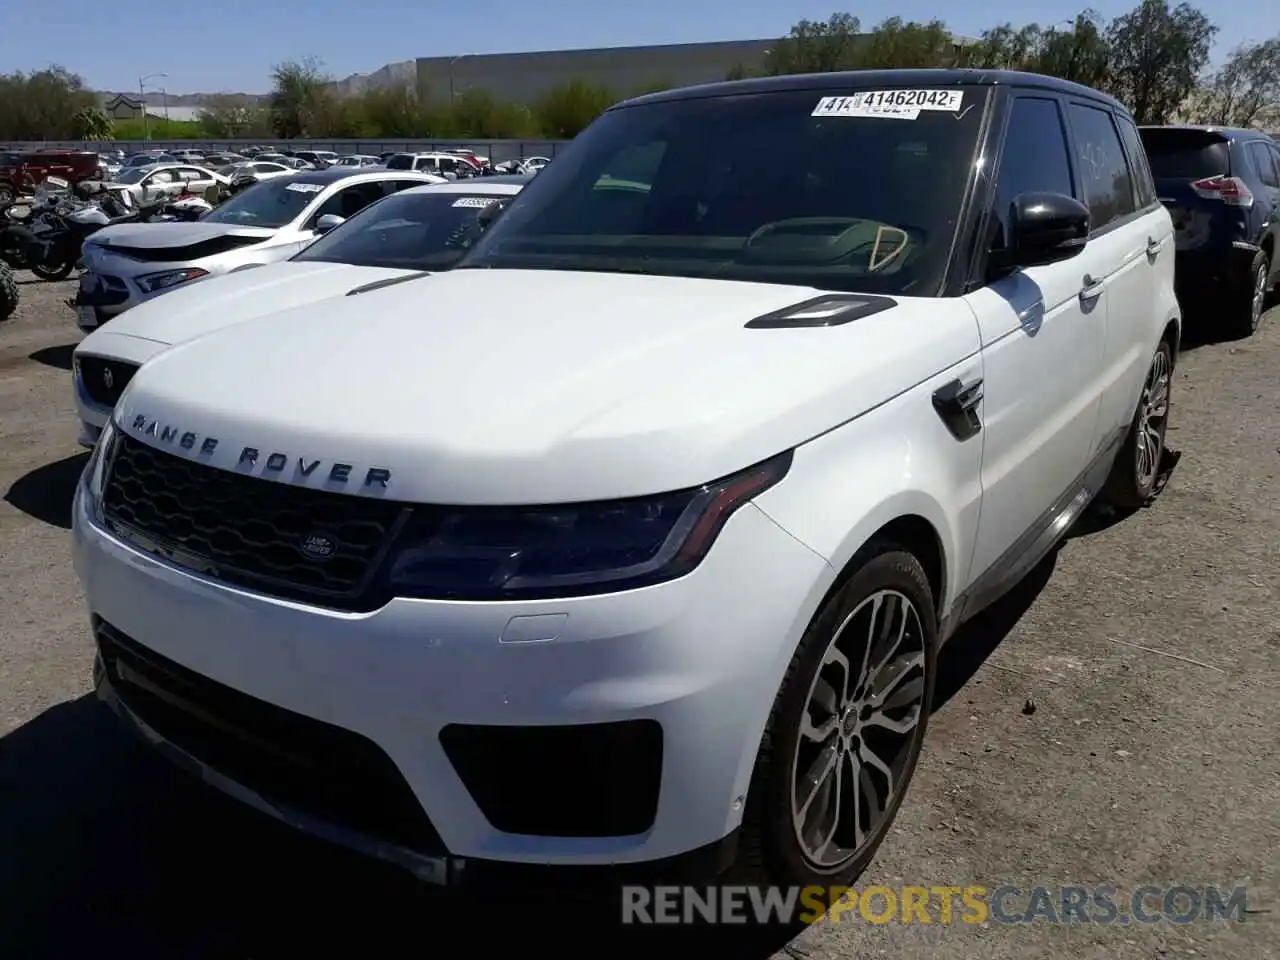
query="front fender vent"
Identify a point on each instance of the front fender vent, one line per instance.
(829, 310)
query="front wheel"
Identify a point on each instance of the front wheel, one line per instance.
(1135, 475)
(1251, 298)
(53, 271)
(846, 728)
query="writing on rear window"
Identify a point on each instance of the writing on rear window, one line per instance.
(474, 201)
(899, 104)
(304, 187)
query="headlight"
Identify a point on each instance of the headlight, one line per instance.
(151, 282)
(95, 471)
(517, 553)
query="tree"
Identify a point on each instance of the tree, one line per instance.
(42, 105)
(229, 116)
(1247, 88)
(90, 123)
(897, 43)
(568, 110)
(1080, 54)
(814, 47)
(391, 112)
(301, 98)
(1003, 48)
(1157, 55)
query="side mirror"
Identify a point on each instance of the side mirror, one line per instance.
(328, 222)
(488, 214)
(1043, 228)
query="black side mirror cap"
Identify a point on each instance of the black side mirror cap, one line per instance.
(1043, 228)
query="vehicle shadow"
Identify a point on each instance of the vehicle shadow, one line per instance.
(1202, 324)
(978, 638)
(106, 843)
(46, 492)
(59, 356)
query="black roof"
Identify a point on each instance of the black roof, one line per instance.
(1230, 133)
(864, 79)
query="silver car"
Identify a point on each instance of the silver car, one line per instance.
(131, 263)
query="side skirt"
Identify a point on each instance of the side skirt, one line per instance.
(1034, 545)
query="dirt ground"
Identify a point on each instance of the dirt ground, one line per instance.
(1112, 722)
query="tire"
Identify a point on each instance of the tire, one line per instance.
(15, 240)
(53, 272)
(6, 194)
(770, 849)
(1250, 299)
(1133, 481)
(8, 292)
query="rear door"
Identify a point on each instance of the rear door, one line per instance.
(1266, 161)
(1196, 183)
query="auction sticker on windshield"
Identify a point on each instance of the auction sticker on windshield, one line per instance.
(900, 104)
(305, 187)
(474, 201)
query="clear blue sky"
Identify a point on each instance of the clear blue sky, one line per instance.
(230, 45)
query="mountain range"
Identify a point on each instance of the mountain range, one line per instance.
(404, 73)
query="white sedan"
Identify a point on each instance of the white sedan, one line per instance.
(417, 231)
(150, 183)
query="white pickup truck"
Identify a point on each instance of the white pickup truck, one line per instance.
(632, 540)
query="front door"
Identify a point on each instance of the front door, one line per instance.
(1043, 330)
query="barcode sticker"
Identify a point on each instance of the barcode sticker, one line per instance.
(898, 104)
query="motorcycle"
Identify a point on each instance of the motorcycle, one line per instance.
(49, 239)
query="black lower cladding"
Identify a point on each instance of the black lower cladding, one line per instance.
(327, 772)
(584, 780)
(246, 530)
(104, 380)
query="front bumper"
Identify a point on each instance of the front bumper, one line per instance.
(420, 683)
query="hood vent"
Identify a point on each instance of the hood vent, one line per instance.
(193, 251)
(389, 282)
(831, 310)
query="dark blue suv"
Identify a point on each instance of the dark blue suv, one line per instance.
(1222, 188)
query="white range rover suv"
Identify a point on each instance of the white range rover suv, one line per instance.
(632, 540)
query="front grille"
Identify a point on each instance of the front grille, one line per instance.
(104, 380)
(330, 773)
(584, 780)
(246, 530)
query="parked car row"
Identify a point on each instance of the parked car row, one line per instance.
(614, 518)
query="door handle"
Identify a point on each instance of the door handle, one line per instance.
(957, 404)
(1153, 247)
(1091, 289)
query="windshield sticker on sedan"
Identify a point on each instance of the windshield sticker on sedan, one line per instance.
(889, 244)
(305, 187)
(899, 104)
(473, 201)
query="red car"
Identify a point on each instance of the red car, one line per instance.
(22, 171)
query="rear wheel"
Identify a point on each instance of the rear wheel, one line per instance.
(8, 292)
(53, 271)
(1135, 475)
(1251, 298)
(846, 729)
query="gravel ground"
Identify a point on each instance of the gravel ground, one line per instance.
(1149, 648)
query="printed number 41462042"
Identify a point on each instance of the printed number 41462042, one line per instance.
(926, 99)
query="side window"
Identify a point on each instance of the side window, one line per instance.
(188, 173)
(1144, 182)
(1264, 160)
(1108, 185)
(161, 176)
(395, 186)
(1035, 158)
(348, 202)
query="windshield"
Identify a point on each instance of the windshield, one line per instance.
(1185, 154)
(272, 203)
(795, 187)
(132, 174)
(401, 161)
(409, 231)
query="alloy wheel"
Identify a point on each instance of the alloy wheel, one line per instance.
(1259, 297)
(1152, 419)
(859, 730)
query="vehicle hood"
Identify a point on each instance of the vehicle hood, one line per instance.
(150, 236)
(506, 387)
(221, 301)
